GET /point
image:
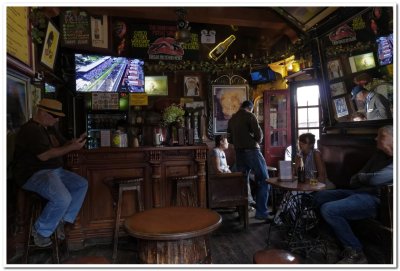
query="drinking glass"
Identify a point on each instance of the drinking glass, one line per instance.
(314, 178)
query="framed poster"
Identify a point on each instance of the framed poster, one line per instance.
(227, 100)
(17, 100)
(341, 107)
(19, 42)
(335, 69)
(338, 88)
(191, 86)
(50, 46)
(99, 28)
(156, 85)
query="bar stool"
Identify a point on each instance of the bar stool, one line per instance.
(117, 187)
(275, 256)
(36, 203)
(184, 187)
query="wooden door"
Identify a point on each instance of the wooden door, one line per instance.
(277, 131)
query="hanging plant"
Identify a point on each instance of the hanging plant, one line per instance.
(39, 24)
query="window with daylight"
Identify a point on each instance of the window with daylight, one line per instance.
(308, 110)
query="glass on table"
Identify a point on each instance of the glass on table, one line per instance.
(314, 177)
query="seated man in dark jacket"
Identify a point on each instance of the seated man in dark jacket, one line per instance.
(340, 206)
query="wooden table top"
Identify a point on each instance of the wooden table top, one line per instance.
(172, 223)
(295, 185)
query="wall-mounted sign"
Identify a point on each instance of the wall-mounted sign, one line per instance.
(156, 42)
(138, 99)
(75, 28)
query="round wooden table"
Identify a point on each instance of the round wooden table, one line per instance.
(173, 235)
(295, 185)
(298, 210)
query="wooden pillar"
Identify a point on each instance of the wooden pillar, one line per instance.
(155, 160)
(201, 155)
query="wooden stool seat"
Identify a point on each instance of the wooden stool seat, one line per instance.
(275, 256)
(185, 191)
(88, 260)
(117, 187)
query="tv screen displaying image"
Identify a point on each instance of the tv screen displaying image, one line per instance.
(263, 75)
(156, 85)
(49, 88)
(362, 62)
(99, 73)
(385, 50)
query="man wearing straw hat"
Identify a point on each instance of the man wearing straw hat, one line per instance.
(38, 158)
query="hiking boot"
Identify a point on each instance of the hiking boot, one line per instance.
(352, 256)
(60, 230)
(40, 240)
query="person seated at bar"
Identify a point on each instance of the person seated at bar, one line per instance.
(313, 163)
(340, 206)
(312, 159)
(220, 165)
(218, 157)
(39, 151)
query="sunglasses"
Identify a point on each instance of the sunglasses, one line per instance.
(53, 115)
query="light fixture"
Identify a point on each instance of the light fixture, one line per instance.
(182, 34)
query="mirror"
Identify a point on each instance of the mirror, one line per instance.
(357, 64)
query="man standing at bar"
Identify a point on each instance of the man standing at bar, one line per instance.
(245, 134)
(38, 161)
(340, 206)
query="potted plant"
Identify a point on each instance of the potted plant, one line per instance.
(173, 118)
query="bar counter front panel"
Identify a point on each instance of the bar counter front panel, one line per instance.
(154, 164)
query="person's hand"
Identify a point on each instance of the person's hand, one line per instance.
(83, 136)
(78, 143)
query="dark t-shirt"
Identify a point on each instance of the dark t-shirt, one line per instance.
(34, 139)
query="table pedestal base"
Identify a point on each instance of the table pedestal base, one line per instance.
(186, 251)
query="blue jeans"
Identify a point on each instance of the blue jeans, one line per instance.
(342, 205)
(252, 159)
(65, 192)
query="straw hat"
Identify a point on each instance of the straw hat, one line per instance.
(52, 106)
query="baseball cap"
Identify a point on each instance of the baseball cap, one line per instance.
(356, 90)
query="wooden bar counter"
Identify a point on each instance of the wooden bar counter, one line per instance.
(155, 164)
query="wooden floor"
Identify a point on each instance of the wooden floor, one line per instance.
(230, 244)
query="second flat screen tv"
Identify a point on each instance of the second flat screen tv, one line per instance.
(99, 73)
(263, 75)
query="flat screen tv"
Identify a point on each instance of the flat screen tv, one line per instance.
(262, 75)
(99, 73)
(156, 85)
(385, 50)
(362, 62)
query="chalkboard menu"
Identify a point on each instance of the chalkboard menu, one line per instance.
(75, 28)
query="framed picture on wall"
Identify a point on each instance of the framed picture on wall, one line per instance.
(50, 46)
(191, 85)
(227, 100)
(341, 107)
(17, 100)
(338, 88)
(335, 69)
